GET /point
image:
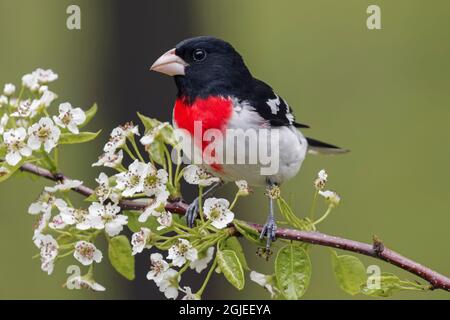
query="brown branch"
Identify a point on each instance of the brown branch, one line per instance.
(376, 250)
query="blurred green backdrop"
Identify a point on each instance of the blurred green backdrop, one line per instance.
(384, 94)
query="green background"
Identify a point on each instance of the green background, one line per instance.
(384, 94)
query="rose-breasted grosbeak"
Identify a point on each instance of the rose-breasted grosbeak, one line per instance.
(216, 89)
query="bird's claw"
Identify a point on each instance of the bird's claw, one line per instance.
(269, 231)
(191, 213)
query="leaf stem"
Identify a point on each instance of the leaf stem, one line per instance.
(68, 253)
(324, 216)
(236, 197)
(208, 276)
(169, 162)
(136, 149)
(128, 151)
(176, 181)
(313, 206)
(200, 203)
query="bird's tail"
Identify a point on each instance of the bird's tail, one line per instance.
(319, 147)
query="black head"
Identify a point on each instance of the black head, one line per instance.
(204, 66)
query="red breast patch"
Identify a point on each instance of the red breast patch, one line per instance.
(212, 113)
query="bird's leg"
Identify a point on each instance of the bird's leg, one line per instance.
(270, 228)
(192, 210)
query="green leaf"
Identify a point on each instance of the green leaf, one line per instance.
(293, 271)
(388, 284)
(179, 219)
(148, 123)
(289, 215)
(231, 268)
(90, 113)
(349, 271)
(71, 138)
(168, 135)
(232, 243)
(91, 198)
(156, 152)
(119, 252)
(248, 232)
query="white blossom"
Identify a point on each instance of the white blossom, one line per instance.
(57, 222)
(41, 224)
(332, 197)
(202, 262)
(119, 136)
(73, 216)
(69, 117)
(43, 204)
(3, 123)
(43, 132)
(15, 145)
(3, 100)
(47, 98)
(321, 180)
(67, 184)
(48, 251)
(106, 216)
(189, 295)
(30, 81)
(182, 251)
(109, 159)
(150, 136)
(132, 181)
(104, 191)
(164, 219)
(216, 210)
(157, 269)
(155, 181)
(151, 210)
(45, 76)
(84, 282)
(243, 187)
(197, 175)
(169, 284)
(9, 89)
(141, 240)
(156, 208)
(26, 109)
(86, 253)
(265, 282)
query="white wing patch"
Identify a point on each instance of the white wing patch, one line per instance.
(290, 117)
(274, 104)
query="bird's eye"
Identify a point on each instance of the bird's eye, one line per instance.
(199, 54)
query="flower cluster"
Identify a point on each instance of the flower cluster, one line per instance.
(26, 128)
(154, 226)
(332, 197)
(196, 254)
(133, 191)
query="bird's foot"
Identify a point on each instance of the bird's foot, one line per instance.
(191, 213)
(269, 231)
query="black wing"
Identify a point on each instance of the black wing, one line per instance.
(320, 147)
(270, 106)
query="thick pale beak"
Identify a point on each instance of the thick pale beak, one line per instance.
(170, 64)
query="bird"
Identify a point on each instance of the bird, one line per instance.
(216, 89)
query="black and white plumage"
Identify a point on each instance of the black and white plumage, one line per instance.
(216, 88)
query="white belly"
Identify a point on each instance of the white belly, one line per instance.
(281, 161)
